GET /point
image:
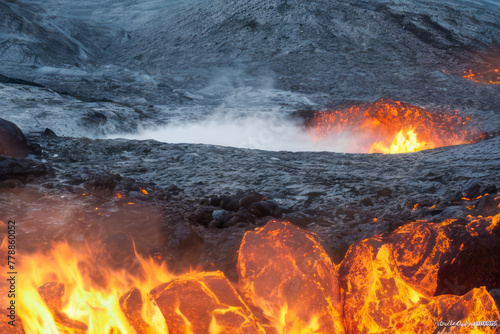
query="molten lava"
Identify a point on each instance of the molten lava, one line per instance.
(387, 126)
(413, 280)
(413, 277)
(204, 303)
(69, 291)
(288, 275)
(490, 77)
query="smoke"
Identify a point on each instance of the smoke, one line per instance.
(106, 222)
(265, 131)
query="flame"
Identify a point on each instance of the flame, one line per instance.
(392, 284)
(67, 290)
(90, 303)
(287, 285)
(405, 141)
(389, 127)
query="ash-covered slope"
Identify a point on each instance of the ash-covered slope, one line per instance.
(357, 50)
(27, 38)
(335, 33)
(348, 49)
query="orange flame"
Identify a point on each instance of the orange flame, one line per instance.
(90, 300)
(390, 127)
(405, 141)
(287, 285)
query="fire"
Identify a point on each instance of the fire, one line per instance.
(389, 283)
(89, 299)
(405, 141)
(389, 127)
(398, 282)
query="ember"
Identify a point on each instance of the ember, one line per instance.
(396, 282)
(387, 126)
(490, 77)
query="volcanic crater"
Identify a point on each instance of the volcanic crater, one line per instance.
(354, 186)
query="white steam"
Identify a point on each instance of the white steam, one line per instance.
(249, 113)
(263, 131)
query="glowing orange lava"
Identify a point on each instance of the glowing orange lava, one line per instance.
(387, 126)
(490, 77)
(389, 283)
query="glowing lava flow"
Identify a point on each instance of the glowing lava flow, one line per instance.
(389, 283)
(405, 141)
(490, 77)
(387, 126)
(289, 276)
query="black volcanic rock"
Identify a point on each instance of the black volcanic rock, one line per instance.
(49, 133)
(214, 200)
(251, 198)
(31, 39)
(472, 191)
(12, 140)
(103, 183)
(7, 80)
(230, 203)
(21, 170)
(184, 246)
(350, 50)
(202, 215)
(265, 208)
(366, 202)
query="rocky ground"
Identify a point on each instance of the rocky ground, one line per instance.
(192, 203)
(87, 73)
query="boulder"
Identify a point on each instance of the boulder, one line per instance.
(22, 170)
(102, 183)
(230, 203)
(264, 209)
(12, 140)
(251, 198)
(391, 273)
(204, 303)
(286, 273)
